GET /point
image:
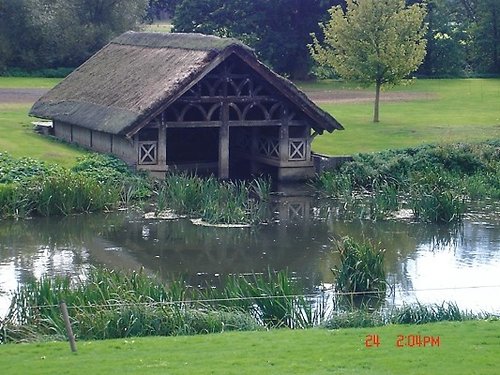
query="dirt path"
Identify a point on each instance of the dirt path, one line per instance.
(318, 96)
(354, 96)
(20, 95)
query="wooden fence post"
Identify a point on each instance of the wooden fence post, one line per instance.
(67, 323)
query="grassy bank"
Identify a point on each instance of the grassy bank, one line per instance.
(108, 304)
(454, 110)
(451, 110)
(435, 182)
(95, 183)
(464, 348)
(18, 137)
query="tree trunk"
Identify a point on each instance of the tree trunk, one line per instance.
(377, 100)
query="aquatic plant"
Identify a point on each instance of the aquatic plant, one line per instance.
(227, 202)
(96, 183)
(354, 318)
(110, 304)
(361, 270)
(418, 313)
(413, 313)
(274, 299)
(434, 198)
(433, 180)
(333, 184)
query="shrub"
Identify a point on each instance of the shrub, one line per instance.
(97, 182)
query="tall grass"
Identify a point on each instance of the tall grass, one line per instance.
(109, 304)
(435, 181)
(418, 313)
(95, 183)
(361, 270)
(226, 202)
(433, 198)
(415, 313)
(274, 299)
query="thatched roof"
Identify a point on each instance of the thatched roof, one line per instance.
(119, 88)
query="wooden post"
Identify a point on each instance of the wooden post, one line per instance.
(67, 323)
(224, 143)
(284, 144)
(284, 138)
(162, 147)
(308, 138)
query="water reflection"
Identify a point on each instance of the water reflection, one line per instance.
(419, 257)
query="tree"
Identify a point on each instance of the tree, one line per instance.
(54, 33)
(373, 41)
(278, 30)
(447, 39)
(486, 36)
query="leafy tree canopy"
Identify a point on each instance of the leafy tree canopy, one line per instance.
(279, 30)
(373, 41)
(54, 33)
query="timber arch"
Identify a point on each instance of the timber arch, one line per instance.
(187, 102)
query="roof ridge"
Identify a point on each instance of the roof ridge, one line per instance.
(187, 41)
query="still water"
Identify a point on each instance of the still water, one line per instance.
(425, 263)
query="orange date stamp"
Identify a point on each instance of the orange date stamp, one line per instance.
(405, 341)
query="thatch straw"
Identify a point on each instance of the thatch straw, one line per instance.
(137, 73)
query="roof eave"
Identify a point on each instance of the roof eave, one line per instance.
(291, 92)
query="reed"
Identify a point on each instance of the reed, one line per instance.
(226, 202)
(418, 313)
(434, 197)
(415, 313)
(433, 180)
(361, 270)
(95, 183)
(273, 299)
(108, 304)
(332, 184)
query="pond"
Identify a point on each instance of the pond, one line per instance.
(425, 262)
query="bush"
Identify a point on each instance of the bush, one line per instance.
(44, 73)
(437, 179)
(97, 182)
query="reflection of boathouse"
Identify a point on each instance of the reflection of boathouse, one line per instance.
(189, 102)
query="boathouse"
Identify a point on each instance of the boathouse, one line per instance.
(191, 102)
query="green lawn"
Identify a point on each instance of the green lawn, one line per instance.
(464, 348)
(18, 137)
(458, 110)
(28, 83)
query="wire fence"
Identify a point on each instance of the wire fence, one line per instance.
(330, 292)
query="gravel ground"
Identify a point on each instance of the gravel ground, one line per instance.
(318, 96)
(20, 95)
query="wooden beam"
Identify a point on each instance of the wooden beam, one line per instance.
(194, 124)
(231, 99)
(224, 143)
(162, 146)
(283, 140)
